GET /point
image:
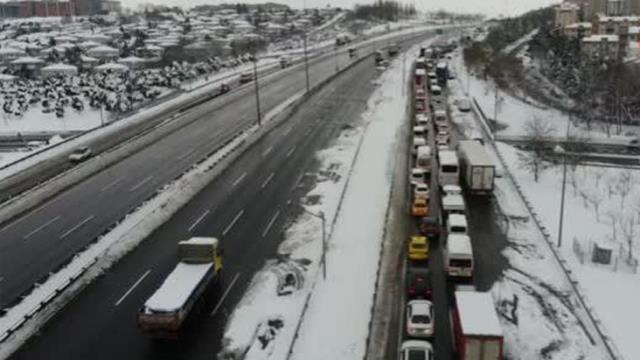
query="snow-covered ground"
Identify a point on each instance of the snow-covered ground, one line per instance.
(514, 113)
(601, 207)
(537, 306)
(359, 160)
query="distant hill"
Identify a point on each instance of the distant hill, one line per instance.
(234, 6)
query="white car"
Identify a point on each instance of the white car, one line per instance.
(420, 319)
(80, 154)
(417, 142)
(422, 120)
(442, 137)
(443, 147)
(416, 350)
(464, 105)
(421, 191)
(417, 176)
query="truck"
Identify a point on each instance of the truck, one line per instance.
(199, 267)
(476, 166)
(442, 73)
(476, 329)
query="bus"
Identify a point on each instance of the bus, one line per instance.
(458, 256)
(449, 168)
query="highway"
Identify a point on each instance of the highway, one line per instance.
(247, 207)
(40, 241)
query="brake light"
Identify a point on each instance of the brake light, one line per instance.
(412, 290)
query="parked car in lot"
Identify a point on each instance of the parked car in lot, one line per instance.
(416, 350)
(419, 319)
(80, 154)
(464, 105)
(421, 191)
(419, 283)
(418, 248)
(420, 207)
(246, 78)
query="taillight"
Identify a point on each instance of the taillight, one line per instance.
(412, 290)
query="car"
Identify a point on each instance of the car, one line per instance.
(421, 105)
(419, 319)
(420, 93)
(429, 226)
(417, 142)
(416, 350)
(422, 120)
(444, 135)
(417, 176)
(246, 78)
(420, 207)
(284, 62)
(442, 126)
(436, 101)
(80, 154)
(443, 147)
(421, 191)
(435, 90)
(464, 105)
(418, 248)
(432, 75)
(442, 144)
(418, 283)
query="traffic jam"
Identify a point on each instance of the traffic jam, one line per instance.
(443, 173)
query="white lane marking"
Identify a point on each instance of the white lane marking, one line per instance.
(186, 153)
(77, 226)
(266, 182)
(111, 184)
(270, 224)
(286, 132)
(195, 223)
(291, 151)
(18, 221)
(238, 180)
(138, 185)
(306, 133)
(132, 287)
(41, 227)
(233, 222)
(266, 152)
(224, 295)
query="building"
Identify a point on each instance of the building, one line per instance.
(566, 14)
(578, 30)
(111, 6)
(45, 8)
(601, 46)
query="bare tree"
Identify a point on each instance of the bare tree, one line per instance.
(623, 185)
(595, 199)
(598, 174)
(538, 132)
(613, 217)
(628, 227)
(573, 181)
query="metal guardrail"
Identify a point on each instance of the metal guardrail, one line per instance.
(610, 346)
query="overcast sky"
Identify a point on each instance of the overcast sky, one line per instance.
(488, 7)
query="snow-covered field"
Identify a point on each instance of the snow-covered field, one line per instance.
(601, 207)
(352, 251)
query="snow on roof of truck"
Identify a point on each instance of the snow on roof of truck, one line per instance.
(201, 241)
(453, 201)
(477, 313)
(441, 65)
(177, 287)
(475, 152)
(440, 112)
(447, 157)
(421, 72)
(459, 244)
(457, 220)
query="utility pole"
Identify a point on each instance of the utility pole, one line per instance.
(306, 61)
(257, 87)
(560, 150)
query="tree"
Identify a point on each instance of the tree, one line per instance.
(628, 229)
(538, 131)
(595, 199)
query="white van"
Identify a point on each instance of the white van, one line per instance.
(449, 169)
(435, 90)
(423, 160)
(417, 176)
(420, 131)
(440, 116)
(457, 224)
(458, 256)
(417, 142)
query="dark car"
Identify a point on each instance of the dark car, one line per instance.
(419, 283)
(429, 226)
(246, 78)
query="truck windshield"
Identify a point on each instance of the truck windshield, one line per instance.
(421, 319)
(449, 168)
(460, 263)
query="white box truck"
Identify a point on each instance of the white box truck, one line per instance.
(477, 168)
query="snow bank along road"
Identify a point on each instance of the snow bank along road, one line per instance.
(246, 206)
(41, 240)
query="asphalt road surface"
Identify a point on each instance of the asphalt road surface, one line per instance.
(247, 207)
(40, 241)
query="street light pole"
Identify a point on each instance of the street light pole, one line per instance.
(564, 186)
(323, 259)
(306, 61)
(257, 87)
